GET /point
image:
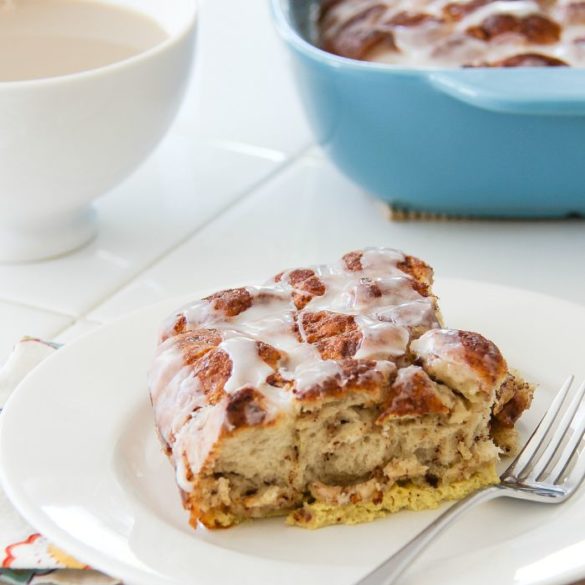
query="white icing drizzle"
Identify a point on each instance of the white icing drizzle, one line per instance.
(518, 8)
(185, 398)
(274, 329)
(248, 369)
(174, 391)
(444, 43)
(381, 340)
(380, 298)
(380, 261)
(201, 312)
(411, 314)
(194, 445)
(441, 343)
(168, 361)
(313, 372)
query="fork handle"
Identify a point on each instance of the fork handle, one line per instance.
(391, 569)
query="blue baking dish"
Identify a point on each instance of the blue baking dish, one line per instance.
(486, 142)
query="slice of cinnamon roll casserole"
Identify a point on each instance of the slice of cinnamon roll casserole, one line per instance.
(331, 394)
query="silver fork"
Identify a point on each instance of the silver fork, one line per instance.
(549, 469)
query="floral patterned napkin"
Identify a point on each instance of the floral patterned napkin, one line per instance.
(26, 556)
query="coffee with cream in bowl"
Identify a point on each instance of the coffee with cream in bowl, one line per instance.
(48, 38)
(87, 90)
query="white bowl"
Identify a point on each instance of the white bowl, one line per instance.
(66, 140)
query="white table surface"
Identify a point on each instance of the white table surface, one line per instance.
(238, 191)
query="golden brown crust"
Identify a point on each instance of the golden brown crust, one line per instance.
(409, 19)
(213, 371)
(306, 285)
(483, 356)
(535, 28)
(530, 60)
(195, 344)
(327, 5)
(514, 397)
(336, 336)
(416, 268)
(179, 326)
(231, 302)
(353, 261)
(268, 354)
(306, 280)
(420, 271)
(457, 10)
(358, 35)
(353, 376)
(246, 408)
(413, 394)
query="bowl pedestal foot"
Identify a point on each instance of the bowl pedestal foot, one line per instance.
(47, 237)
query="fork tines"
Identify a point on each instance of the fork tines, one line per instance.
(551, 457)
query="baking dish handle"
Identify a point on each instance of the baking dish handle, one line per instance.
(532, 91)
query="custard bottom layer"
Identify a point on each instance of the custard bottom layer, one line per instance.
(395, 498)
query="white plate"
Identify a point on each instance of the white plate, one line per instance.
(80, 460)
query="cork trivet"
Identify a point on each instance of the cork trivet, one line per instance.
(403, 214)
